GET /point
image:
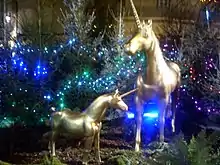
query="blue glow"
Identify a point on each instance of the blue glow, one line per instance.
(130, 115)
(48, 97)
(152, 114)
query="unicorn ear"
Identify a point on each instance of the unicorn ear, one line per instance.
(116, 92)
(149, 22)
(143, 24)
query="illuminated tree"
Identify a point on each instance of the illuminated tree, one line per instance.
(201, 47)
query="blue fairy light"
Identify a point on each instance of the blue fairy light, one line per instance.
(21, 63)
(48, 97)
(130, 115)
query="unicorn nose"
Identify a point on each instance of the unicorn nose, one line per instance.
(126, 108)
(126, 47)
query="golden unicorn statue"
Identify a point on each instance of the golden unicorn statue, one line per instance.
(86, 125)
(161, 79)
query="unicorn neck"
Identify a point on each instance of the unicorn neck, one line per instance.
(156, 64)
(97, 109)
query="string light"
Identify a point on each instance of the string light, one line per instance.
(125, 67)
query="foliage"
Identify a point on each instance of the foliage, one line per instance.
(4, 163)
(128, 157)
(117, 61)
(104, 20)
(201, 49)
(78, 25)
(23, 92)
(200, 151)
(118, 160)
(83, 56)
(197, 45)
(51, 161)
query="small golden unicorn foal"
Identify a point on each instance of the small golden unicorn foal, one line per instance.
(161, 79)
(86, 125)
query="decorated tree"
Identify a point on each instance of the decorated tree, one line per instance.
(122, 67)
(27, 84)
(201, 48)
(31, 75)
(83, 60)
(192, 40)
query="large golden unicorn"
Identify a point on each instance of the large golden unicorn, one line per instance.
(161, 79)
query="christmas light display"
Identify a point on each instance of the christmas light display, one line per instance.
(125, 67)
(106, 82)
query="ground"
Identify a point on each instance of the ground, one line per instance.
(25, 145)
(73, 155)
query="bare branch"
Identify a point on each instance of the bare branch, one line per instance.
(202, 46)
(113, 15)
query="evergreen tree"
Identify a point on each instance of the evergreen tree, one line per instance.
(83, 59)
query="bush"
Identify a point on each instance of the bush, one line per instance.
(51, 161)
(199, 151)
(4, 163)
(118, 160)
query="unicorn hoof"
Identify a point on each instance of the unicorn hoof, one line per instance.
(137, 149)
(100, 162)
(162, 145)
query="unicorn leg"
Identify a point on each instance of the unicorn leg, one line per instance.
(97, 144)
(49, 146)
(162, 105)
(88, 145)
(174, 97)
(48, 135)
(139, 110)
(52, 143)
(173, 124)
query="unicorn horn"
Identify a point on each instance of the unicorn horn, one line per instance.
(138, 22)
(129, 92)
